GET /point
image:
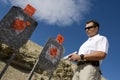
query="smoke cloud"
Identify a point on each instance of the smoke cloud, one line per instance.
(61, 12)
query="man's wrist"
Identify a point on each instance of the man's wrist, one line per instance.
(82, 56)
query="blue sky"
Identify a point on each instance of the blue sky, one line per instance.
(106, 12)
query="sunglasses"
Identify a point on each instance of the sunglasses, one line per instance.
(89, 27)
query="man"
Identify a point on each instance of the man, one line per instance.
(90, 54)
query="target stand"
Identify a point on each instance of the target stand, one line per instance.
(16, 27)
(49, 58)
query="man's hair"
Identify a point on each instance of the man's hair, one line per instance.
(94, 22)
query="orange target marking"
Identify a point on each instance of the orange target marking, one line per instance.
(29, 10)
(53, 52)
(20, 24)
(60, 38)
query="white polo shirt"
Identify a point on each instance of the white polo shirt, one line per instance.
(95, 43)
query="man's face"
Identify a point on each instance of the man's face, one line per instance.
(91, 30)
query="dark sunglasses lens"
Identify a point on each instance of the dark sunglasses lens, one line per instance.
(89, 27)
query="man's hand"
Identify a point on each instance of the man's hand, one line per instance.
(74, 57)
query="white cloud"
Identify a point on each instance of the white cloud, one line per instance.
(62, 12)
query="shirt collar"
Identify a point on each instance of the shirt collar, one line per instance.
(94, 37)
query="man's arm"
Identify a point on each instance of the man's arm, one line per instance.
(95, 56)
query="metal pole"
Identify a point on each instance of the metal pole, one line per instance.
(50, 77)
(51, 74)
(7, 65)
(32, 71)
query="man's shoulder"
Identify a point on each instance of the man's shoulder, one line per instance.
(101, 37)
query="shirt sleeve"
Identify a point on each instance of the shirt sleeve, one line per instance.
(103, 45)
